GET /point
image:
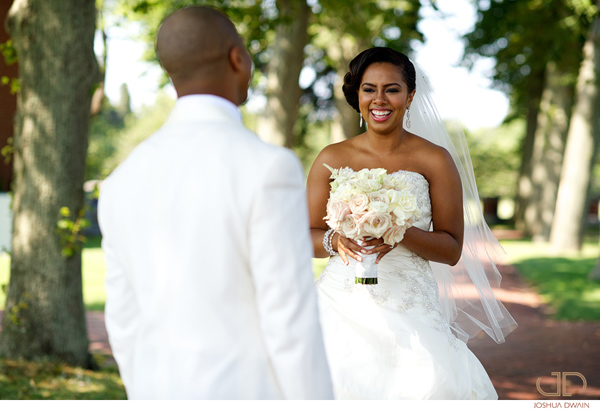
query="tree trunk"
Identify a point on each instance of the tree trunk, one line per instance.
(283, 92)
(524, 184)
(595, 272)
(582, 142)
(346, 123)
(547, 155)
(57, 68)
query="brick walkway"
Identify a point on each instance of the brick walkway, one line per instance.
(538, 347)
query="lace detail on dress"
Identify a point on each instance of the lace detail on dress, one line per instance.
(377, 294)
(421, 286)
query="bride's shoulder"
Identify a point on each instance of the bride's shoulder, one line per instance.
(432, 158)
(337, 155)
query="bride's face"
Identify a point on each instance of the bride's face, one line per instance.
(383, 97)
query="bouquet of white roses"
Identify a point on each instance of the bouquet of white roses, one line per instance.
(369, 204)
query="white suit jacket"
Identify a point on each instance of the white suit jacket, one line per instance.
(209, 284)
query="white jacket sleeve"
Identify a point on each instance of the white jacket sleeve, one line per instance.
(121, 312)
(281, 261)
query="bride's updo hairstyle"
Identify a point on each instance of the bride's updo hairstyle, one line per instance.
(359, 64)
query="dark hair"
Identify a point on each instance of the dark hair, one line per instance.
(359, 64)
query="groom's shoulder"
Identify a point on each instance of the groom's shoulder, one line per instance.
(258, 154)
(251, 141)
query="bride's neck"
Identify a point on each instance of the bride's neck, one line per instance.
(385, 143)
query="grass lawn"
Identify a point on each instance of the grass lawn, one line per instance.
(561, 280)
(46, 380)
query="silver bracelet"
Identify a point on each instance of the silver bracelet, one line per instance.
(327, 238)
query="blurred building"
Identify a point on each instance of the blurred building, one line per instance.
(8, 106)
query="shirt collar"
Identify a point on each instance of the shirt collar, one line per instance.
(191, 101)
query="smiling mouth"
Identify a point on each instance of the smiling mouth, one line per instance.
(380, 115)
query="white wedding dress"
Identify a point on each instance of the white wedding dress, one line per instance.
(390, 340)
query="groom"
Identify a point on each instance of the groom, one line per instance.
(205, 230)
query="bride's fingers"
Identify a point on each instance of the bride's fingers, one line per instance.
(345, 253)
(346, 246)
(343, 256)
(383, 253)
(372, 242)
(380, 248)
(353, 254)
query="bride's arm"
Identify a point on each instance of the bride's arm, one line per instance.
(444, 243)
(317, 193)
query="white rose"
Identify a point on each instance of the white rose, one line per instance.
(394, 235)
(378, 174)
(378, 206)
(379, 196)
(362, 174)
(388, 182)
(375, 224)
(345, 191)
(408, 203)
(400, 216)
(337, 182)
(368, 185)
(350, 227)
(393, 198)
(336, 212)
(346, 173)
(359, 203)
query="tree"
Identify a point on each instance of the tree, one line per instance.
(281, 31)
(57, 69)
(537, 50)
(580, 153)
(283, 91)
(544, 165)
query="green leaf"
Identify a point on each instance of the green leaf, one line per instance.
(65, 212)
(68, 252)
(64, 224)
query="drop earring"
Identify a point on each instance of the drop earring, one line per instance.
(408, 117)
(361, 120)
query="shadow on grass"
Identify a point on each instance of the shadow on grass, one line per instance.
(48, 380)
(564, 285)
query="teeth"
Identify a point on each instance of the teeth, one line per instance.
(381, 112)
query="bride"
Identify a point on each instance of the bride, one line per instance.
(405, 337)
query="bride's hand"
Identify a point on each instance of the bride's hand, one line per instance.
(378, 248)
(348, 248)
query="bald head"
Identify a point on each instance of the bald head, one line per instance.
(194, 46)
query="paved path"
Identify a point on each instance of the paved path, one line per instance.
(537, 348)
